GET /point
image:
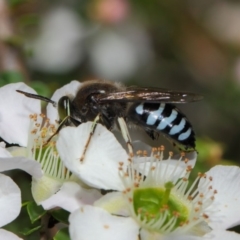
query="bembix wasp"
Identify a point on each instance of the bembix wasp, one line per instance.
(113, 104)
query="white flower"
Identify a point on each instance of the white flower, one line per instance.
(10, 194)
(71, 196)
(47, 170)
(10, 204)
(154, 201)
(15, 109)
(54, 172)
(99, 168)
(204, 213)
(69, 90)
(8, 162)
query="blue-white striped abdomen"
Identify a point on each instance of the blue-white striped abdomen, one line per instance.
(164, 118)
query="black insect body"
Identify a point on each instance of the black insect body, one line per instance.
(87, 103)
(115, 105)
(164, 118)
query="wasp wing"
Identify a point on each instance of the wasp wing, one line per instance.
(149, 95)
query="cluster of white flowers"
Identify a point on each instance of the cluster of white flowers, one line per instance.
(147, 197)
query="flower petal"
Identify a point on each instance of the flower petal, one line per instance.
(6, 235)
(170, 169)
(15, 109)
(10, 200)
(114, 203)
(3, 151)
(67, 90)
(71, 196)
(95, 223)
(17, 151)
(44, 187)
(146, 235)
(222, 235)
(101, 162)
(28, 165)
(191, 158)
(226, 180)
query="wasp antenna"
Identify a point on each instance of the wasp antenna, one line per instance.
(45, 99)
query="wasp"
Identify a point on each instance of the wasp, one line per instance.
(114, 105)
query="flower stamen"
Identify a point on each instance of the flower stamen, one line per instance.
(160, 201)
(46, 155)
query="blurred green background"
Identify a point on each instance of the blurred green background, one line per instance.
(181, 45)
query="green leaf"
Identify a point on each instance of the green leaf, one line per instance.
(30, 19)
(14, 3)
(23, 227)
(24, 204)
(10, 77)
(61, 215)
(41, 88)
(35, 212)
(62, 234)
(14, 41)
(28, 231)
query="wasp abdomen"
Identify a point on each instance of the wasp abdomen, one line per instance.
(165, 118)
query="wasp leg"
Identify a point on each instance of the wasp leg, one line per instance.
(94, 125)
(126, 135)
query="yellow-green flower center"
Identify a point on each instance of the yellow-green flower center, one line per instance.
(43, 150)
(159, 199)
(159, 204)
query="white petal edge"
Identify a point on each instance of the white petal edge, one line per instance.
(10, 200)
(44, 187)
(95, 223)
(3, 151)
(28, 165)
(191, 156)
(225, 212)
(146, 235)
(171, 169)
(15, 109)
(114, 203)
(222, 235)
(70, 90)
(71, 197)
(99, 168)
(6, 235)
